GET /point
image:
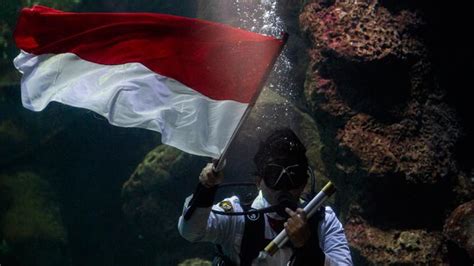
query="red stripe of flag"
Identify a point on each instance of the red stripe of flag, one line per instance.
(219, 61)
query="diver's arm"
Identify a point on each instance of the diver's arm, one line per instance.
(205, 225)
(203, 197)
(193, 221)
(205, 192)
(333, 240)
(306, 248)
(196, 222)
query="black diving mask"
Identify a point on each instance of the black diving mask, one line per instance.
(279, 177)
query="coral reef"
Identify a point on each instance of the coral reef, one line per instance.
(148, 196)
(372, 73)
(360, 30)
(195, 262)
(393, 247)
(459, 230)
(32, 213)
(30, 220)
(390, 135)
(152, 173)
(153, 198)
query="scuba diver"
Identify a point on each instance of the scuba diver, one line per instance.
(240, 232)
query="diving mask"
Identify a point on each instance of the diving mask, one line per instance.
(279, 177)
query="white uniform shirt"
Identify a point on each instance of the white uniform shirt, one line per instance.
(228, 231)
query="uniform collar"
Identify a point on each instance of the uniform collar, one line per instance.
(260, 202)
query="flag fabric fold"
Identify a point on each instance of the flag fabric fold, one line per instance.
(189, 79)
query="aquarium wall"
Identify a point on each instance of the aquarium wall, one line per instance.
(378, 91)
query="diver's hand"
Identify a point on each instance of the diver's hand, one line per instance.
(297, 227)
(209, 178)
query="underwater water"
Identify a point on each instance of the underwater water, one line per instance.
(376, 90)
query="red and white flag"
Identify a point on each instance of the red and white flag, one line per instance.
(189, 79)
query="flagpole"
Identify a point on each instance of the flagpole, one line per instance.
(220, 163)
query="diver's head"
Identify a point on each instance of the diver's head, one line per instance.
(282, 168)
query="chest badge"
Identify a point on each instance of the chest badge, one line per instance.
(226, 206)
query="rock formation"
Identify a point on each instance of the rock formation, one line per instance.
(390, 134)
(31, 227)
(459, 231)
(152, 203)
(195, 262)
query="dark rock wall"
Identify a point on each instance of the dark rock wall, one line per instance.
(153, 199)
(391, 132)
(459, 232)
